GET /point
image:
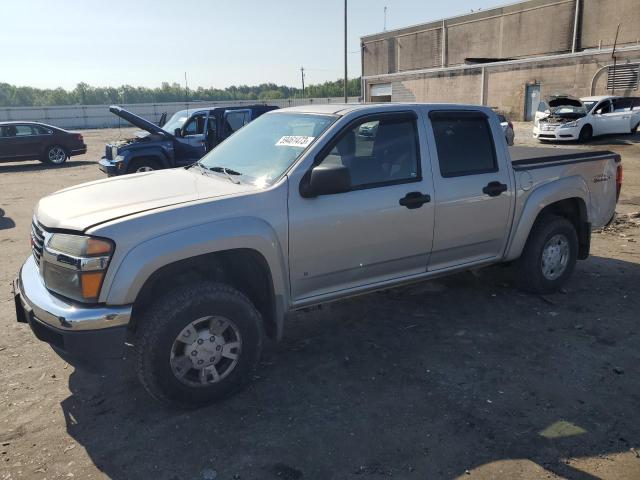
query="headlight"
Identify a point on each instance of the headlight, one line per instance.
(74, 265)
(569, 125)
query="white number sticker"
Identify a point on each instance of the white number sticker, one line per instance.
(295, 141)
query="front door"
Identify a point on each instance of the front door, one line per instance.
(473, 189)
(366, 235)
(192, 145)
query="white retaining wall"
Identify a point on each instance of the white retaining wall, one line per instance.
(98, 116)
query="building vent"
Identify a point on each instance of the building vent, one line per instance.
(623, 77)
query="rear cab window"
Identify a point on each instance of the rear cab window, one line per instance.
(464, 143)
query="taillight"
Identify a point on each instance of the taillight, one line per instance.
(511, 125)
(79, 137)
(618, 181)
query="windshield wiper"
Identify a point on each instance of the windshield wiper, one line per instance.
(228, 172)
(195, 164)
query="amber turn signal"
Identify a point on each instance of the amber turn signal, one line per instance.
(91, 283)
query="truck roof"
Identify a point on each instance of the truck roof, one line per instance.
(344, 108)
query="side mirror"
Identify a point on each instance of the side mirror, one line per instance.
(327, 179)
(177, 132)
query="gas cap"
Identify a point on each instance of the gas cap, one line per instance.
(525, 181)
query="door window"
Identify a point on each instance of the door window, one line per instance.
(604, 107)
(195, 125)
(379, 151)
(38, 130)
(236, 120)
(24, 130)
(464, 143)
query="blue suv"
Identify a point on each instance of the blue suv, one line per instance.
(182, 140)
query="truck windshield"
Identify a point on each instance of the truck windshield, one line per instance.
(176, 121)
(265, 148)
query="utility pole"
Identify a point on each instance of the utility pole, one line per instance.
(384, 28)
(346, 98)
(302, 73)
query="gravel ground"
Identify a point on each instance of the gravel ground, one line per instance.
(460, 377)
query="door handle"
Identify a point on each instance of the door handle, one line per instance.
(414, 200)
(493, 189)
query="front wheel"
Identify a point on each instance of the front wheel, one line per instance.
(198, 344)
(55, 155)
(549, 255)
(586, 133)
(142, 165)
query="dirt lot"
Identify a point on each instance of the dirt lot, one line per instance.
(464, 376)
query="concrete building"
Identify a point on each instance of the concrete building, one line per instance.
(508, 57)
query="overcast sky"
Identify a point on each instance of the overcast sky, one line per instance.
(218, 43)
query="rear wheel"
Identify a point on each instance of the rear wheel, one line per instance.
(198, 344)
(549, 255)
(55, 155)
(585, 134)
(142, 165)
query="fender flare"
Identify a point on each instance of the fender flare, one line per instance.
(140, 262)
(543, 196)
(151, 152)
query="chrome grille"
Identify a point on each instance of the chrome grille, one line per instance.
(37, 241)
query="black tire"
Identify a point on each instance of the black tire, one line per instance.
(163, 322)
(634, 130)
(529, 267)
(142, 165)
(586, 133)
(55, 155)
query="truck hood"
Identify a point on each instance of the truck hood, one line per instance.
(137, 121)
(82, 206)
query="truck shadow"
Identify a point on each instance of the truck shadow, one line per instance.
(36, 166)
(418, 382)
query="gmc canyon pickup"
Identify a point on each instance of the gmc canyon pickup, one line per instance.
(190, 268)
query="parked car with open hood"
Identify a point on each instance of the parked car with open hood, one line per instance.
(182, 140)
(189, 269)
(565, 118)
(38, 141)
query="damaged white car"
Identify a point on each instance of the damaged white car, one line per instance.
(565, 118)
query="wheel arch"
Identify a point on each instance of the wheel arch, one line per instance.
(154, 154)
(244, 269)
(249, 241)
(568, 198)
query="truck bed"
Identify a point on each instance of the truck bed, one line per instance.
(539, 157)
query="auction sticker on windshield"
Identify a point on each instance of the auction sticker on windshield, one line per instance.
(295, 141)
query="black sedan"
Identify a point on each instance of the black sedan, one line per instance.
(37, 141)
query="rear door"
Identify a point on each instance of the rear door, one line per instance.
(473, 188)
(234, 120)
(26, 142)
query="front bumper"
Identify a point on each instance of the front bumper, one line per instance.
(78, 333)
(557, 134)
(110, 167)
